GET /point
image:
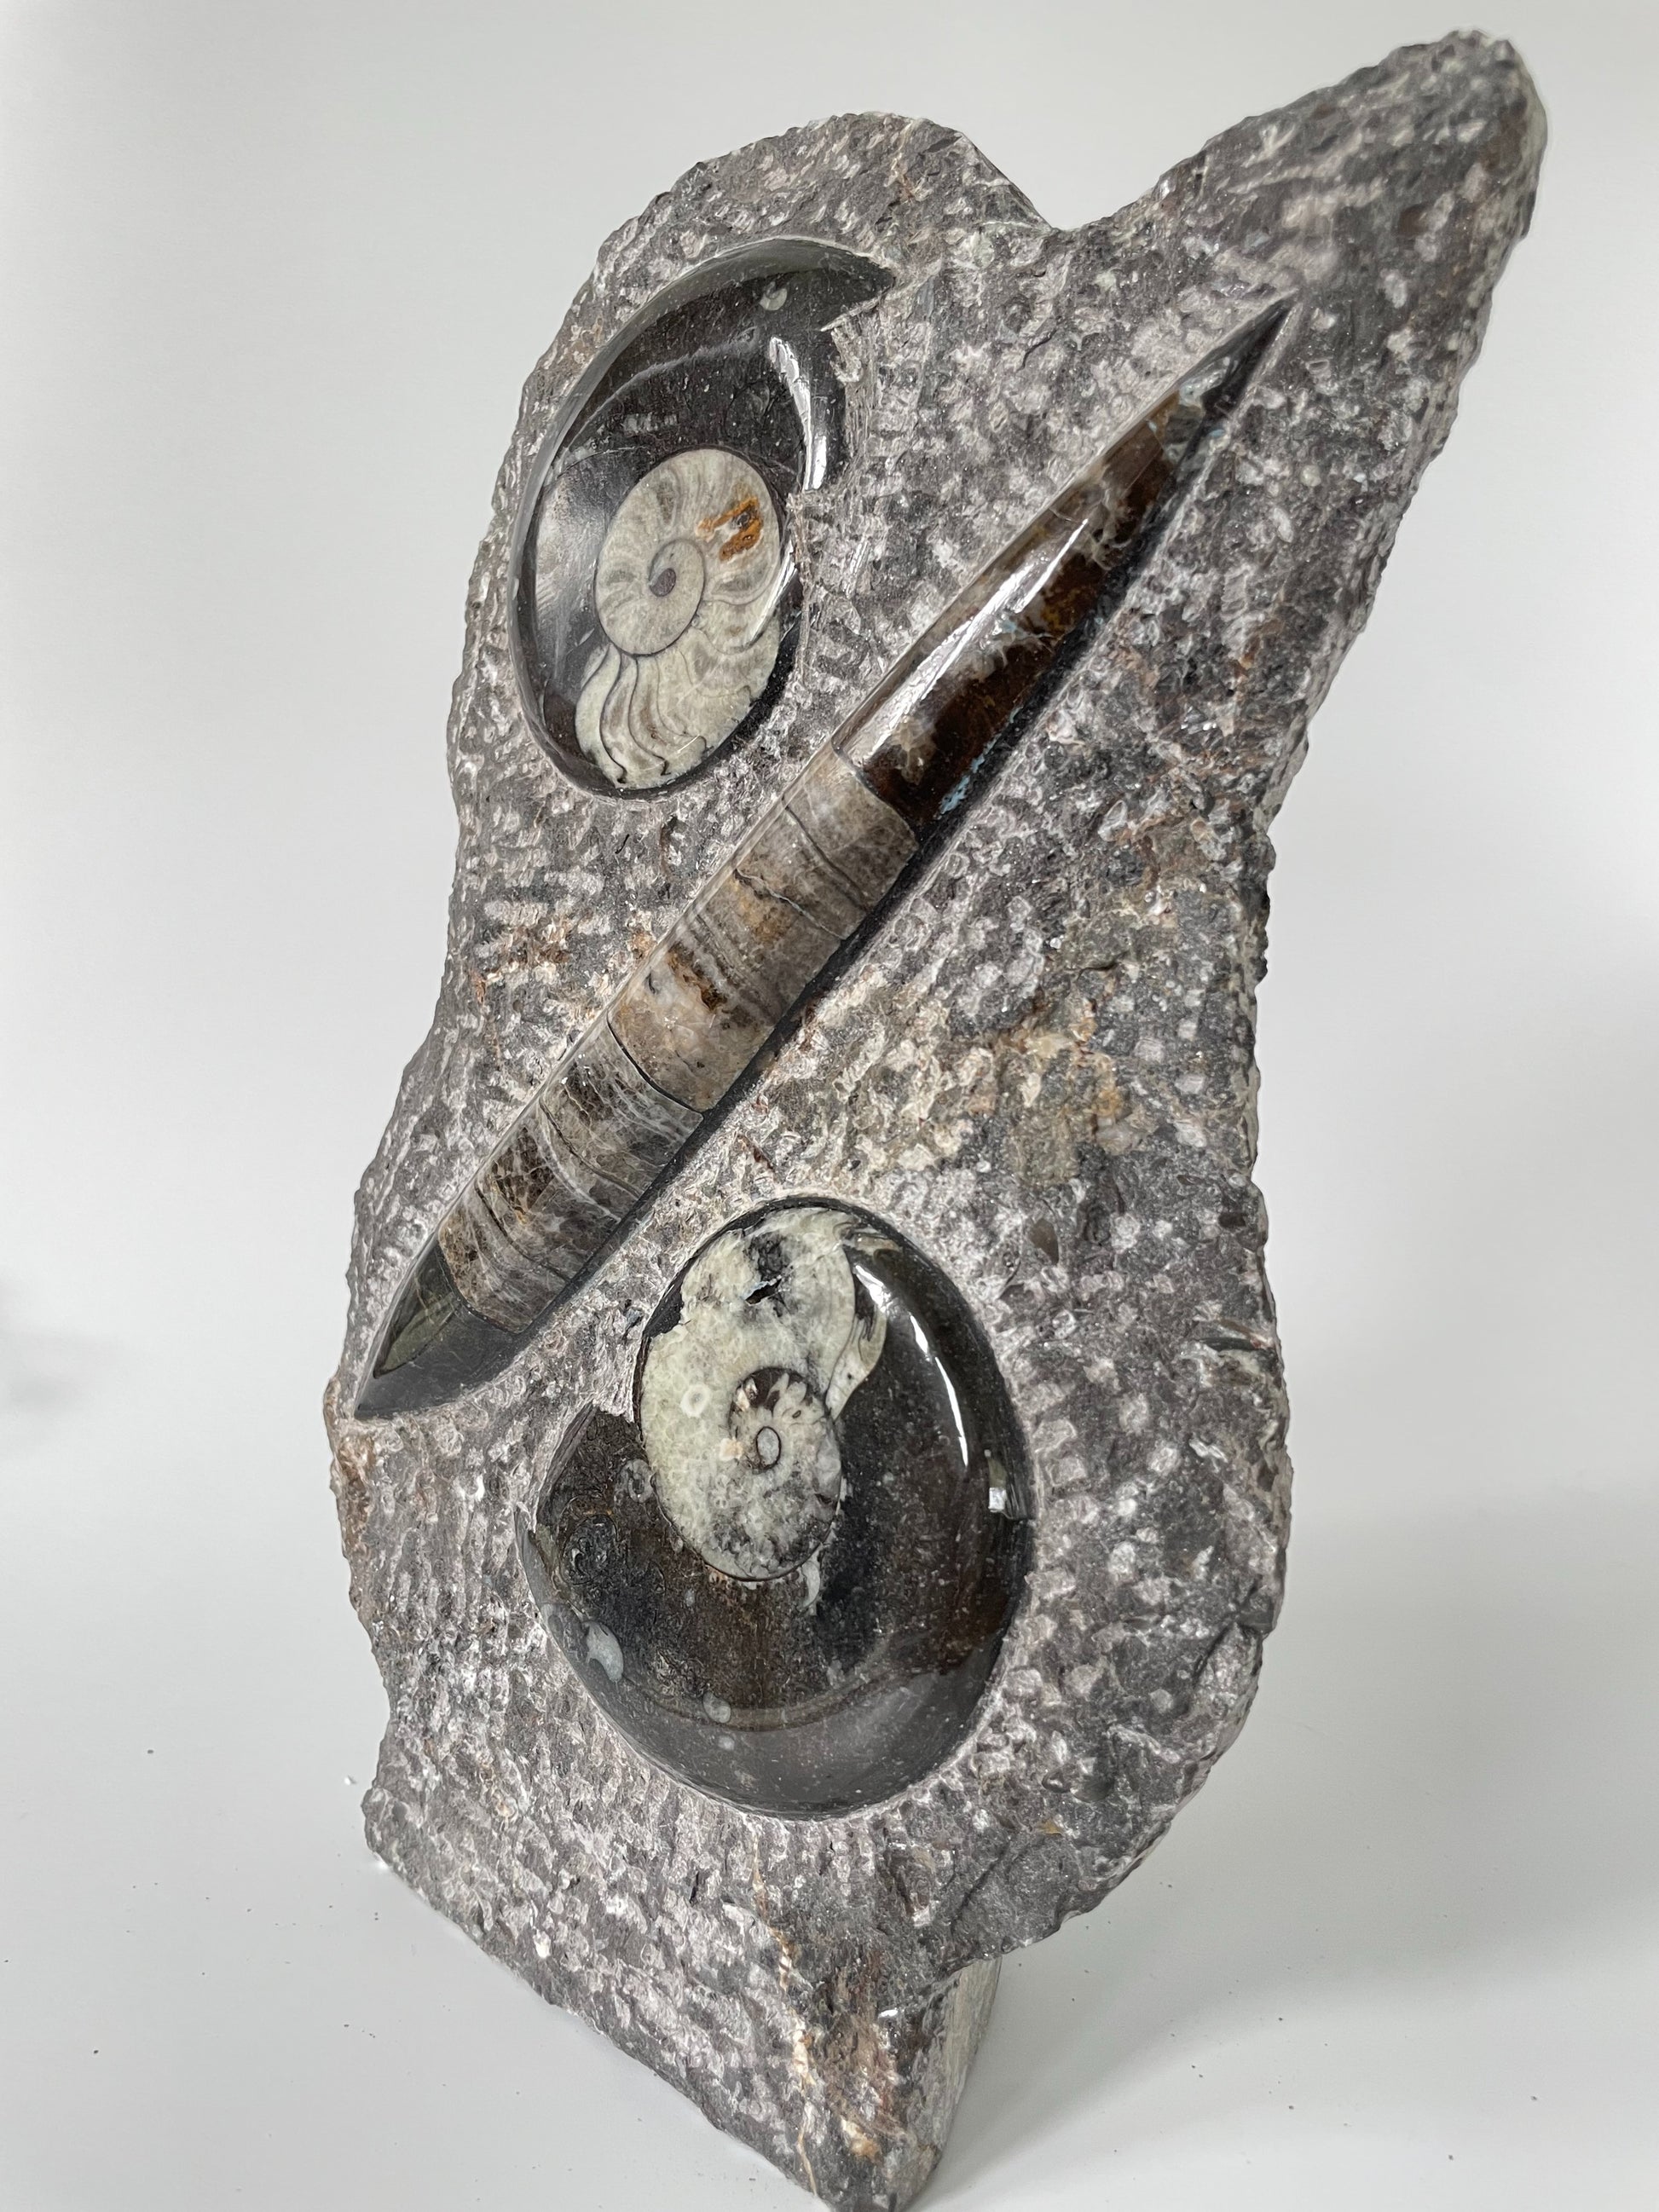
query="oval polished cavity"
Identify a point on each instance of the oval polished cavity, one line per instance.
(806, 880)
(656, 601)
(787, 1578)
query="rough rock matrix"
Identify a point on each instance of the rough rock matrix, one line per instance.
(1038, 1070)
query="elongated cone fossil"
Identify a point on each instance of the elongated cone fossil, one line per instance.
(808, 878)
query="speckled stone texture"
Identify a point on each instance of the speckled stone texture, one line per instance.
(1041, 1073)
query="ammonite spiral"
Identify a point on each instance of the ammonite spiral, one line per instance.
(789, 1577)
(686, 589)
(739, 1399)
(679, 451)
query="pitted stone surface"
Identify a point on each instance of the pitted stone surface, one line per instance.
(1041, 1073)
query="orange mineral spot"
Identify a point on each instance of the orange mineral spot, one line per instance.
(747, 526)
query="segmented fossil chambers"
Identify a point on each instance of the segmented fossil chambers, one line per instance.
(810, 874)
(788, 1576)
(687, 589)
(656, 597)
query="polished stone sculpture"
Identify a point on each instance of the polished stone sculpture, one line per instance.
(810, 1439)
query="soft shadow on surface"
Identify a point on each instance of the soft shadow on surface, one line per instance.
(1449, 1759)
(42, 1376)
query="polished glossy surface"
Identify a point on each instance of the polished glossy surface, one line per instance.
(787, 1578)
(686, 590)
(656, 601)
(792, 900)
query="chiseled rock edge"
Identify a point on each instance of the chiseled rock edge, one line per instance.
(1050, 1042)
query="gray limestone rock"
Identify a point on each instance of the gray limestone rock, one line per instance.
(1020, 1065)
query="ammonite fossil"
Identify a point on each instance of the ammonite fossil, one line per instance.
(686, 589)
(787, 1578)
(657, 595)
(738, 1399)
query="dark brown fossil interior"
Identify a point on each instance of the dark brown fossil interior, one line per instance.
(787, 1577)
(651, 631)
(790, 903)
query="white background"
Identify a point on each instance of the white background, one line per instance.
(273, 276)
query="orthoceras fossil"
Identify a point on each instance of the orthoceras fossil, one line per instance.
(808, 878)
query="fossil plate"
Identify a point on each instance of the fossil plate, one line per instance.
(657, 601)
(810, 1440)
(788, 1578)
